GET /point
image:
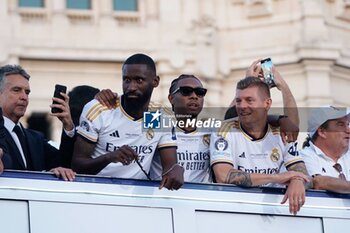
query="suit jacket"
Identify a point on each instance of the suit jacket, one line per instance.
(43, 155)
(6, 158)
(67, 148)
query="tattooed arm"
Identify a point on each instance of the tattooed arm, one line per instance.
(296, 189)
(239, 178)
(225, 173)
(300, 167)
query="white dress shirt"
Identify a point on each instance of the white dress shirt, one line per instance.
(317, 163)
(9, 125)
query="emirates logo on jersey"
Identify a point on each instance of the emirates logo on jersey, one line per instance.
(139, 149)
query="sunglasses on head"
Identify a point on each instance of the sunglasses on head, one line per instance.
(187, 91)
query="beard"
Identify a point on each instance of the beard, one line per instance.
(137, 100)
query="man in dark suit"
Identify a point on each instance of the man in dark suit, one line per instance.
(1, 164)
(28, 149)
(5, 160)
(2, 136)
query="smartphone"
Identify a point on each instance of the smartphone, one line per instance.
(57, 94)
(266, 66)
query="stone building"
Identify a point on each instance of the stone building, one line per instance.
(75, 42)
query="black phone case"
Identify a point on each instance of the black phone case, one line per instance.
(265, 60)
(58, 90)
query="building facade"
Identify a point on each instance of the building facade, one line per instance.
(84, 42)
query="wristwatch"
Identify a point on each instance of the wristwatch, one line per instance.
(281, 116)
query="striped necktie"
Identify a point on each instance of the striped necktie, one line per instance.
(339, 169)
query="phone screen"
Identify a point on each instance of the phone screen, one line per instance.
(266, 66)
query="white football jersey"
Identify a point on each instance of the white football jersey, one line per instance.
(192, 155)
(111, 129)
(266, 155)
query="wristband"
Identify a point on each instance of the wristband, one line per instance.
(170, 169)
(281, 117)
(298, 178)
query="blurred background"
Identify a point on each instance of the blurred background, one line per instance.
(84, 42)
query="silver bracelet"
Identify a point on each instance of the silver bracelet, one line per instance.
(169, 170)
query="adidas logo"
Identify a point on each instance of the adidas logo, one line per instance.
(115, 134)
(242, 155)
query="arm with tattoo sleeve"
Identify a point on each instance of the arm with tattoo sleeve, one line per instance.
(295, 192)
(225, 173)
(238, 178)
(300, 167)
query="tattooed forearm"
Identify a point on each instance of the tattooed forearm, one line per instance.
(300, 167)
(238, 178)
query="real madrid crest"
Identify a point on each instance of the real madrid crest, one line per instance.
(206, 139)
(275, 155)
(150, 134)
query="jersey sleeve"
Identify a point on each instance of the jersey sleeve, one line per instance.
(167, 139)
(91, 121)
(291, 155)
(220, 149)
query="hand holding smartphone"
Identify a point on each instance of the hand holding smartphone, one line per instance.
(57, 94)
(266, 65)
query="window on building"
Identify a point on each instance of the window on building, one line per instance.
(79, 4)
(31, 3)
(125, 5)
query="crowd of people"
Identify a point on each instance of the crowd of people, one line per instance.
(103, 134)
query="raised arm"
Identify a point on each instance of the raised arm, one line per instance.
(289, 103)
(289, 131)
(64, 116)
